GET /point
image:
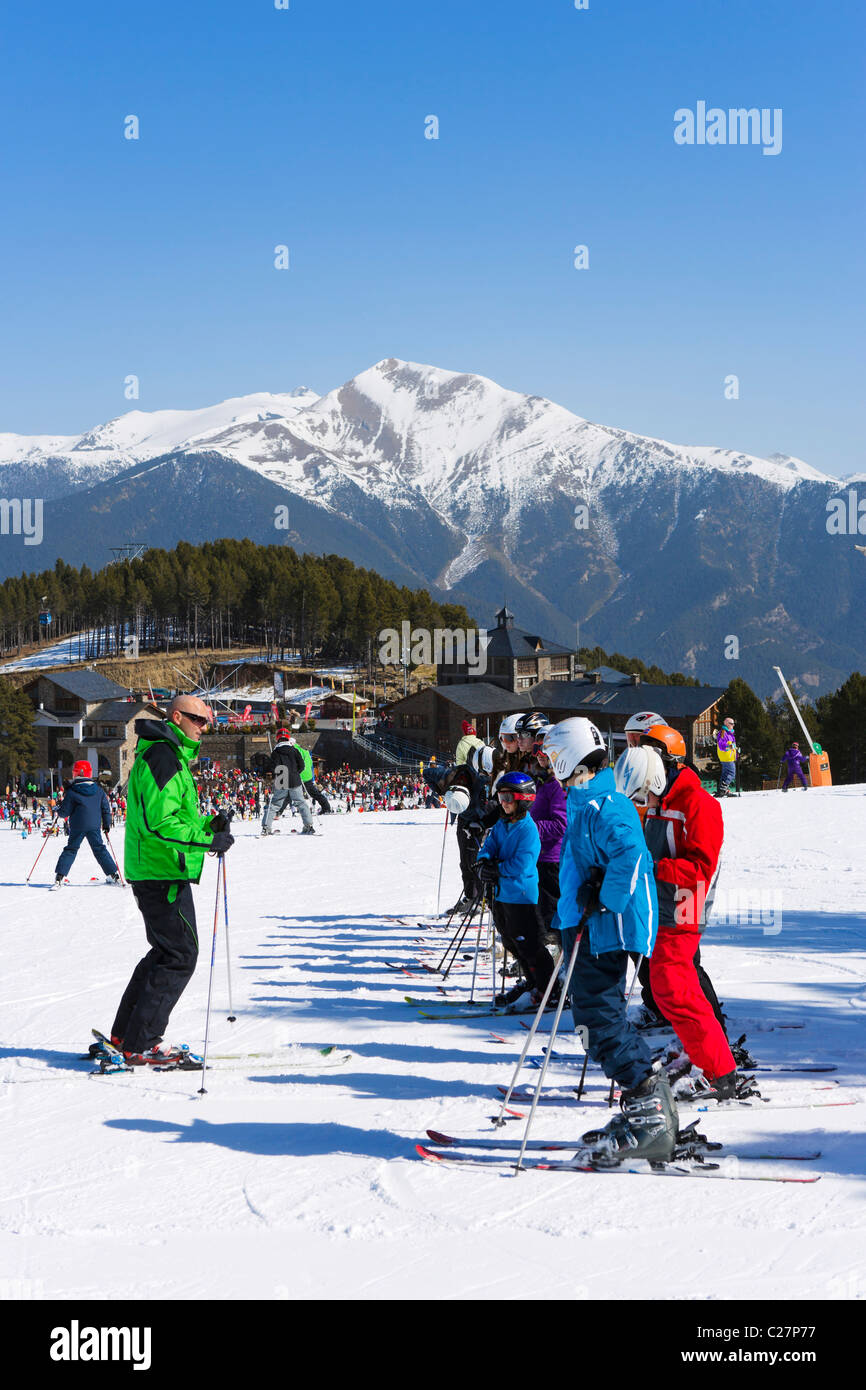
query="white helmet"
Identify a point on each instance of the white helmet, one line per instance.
(457, 799)
(572, 745)
(509, 724)
(480, 759)
(639, 723)
(639, 771)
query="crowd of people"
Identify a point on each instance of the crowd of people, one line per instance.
(613, 864)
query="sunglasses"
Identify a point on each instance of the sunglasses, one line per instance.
(508, 738)
(200, 719)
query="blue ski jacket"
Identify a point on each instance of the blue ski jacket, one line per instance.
(515, 845)
(86, 807)
(604, 833)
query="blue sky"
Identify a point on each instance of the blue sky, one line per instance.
(306, 127)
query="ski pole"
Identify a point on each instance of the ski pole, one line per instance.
(231, 1015)
(562, 995)
(627, 1002)
(462, 926)
(441, 864)
(216, 907)
(36, 860)
(477, 949)
(467, 922)
(500, 1119)
(116, 860)
(583, 1071)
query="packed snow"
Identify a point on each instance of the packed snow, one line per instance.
(304, 1183)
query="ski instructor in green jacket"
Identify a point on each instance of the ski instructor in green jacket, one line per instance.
(167, 839)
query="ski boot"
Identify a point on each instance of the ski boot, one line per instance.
(742, 1055)
(170, 1056)
(696, 1087)
(646, 1128)
(113, 878)
(58, 883)
(648, 1021)
(512, 995)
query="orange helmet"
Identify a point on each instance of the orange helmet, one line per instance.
(667, 741)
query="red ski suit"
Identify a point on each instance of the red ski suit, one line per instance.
(684, 834)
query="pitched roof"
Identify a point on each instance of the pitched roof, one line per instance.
(671, 701)
(85, 684)
(480, 697)
(121, 711)
(517, 643)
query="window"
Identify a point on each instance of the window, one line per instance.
(108, 730)
(524, 682)
(527, 668)
(558, 664)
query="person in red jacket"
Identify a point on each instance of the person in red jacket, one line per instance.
(684, 832)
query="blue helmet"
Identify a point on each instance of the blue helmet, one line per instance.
(519, 784)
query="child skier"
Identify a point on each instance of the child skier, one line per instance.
(606, 882)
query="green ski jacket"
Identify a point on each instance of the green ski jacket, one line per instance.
(167, 837)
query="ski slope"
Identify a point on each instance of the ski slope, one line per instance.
(286, 1184)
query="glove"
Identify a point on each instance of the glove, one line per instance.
(488, 871)
(221, 842)
(589, 893)
(220, 822)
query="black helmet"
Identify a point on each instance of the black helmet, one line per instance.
(533, 723)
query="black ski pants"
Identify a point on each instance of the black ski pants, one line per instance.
(468, 845)
(522, 932)
(548, 897)
(161, 976)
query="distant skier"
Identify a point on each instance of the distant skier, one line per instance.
(88, 811)
(727, 753)
(468, 741)
(285, 767)
(308, 782)
(795, 760)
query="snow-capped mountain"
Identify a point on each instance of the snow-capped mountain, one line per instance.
(450, 481)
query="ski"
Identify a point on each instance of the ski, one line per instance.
(479, 1012)
(521, 1096)
(673, 1170)
(445, 1003)
(771, 1067)
(449, 1141)
(318, 1063)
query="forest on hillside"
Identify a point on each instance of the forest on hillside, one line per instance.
(221, 594)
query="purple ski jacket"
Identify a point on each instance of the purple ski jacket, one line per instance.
(549, 813)
(795, 758)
